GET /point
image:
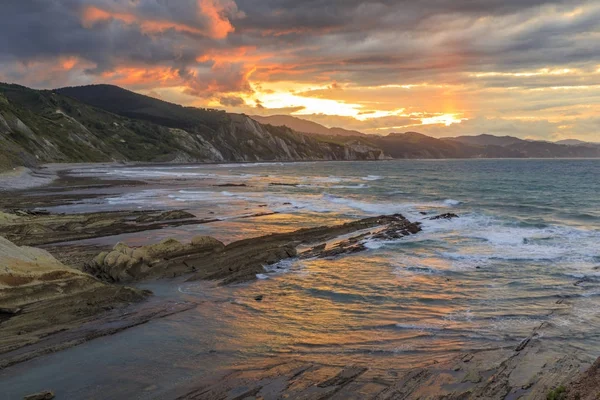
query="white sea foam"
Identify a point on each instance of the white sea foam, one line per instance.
(371, 178)
(359, 186)
(373, 244)
(451, 202)
(368, 207)
(251, 165)
(281, 266)
(142, 197)
(326, 179)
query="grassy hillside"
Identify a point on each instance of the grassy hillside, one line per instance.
(107, 123)
(42, 126)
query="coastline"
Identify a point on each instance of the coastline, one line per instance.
(24, 178)
(532, 369)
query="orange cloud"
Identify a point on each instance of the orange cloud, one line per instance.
(134, 76)
(245, 54)
(68, 63)
(218, 28)
(92, 15)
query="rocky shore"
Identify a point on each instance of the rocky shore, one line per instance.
(40, 297)
(47, 305)
(241, 261)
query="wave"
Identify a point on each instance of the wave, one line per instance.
(250, 165)
(359, 186)
(371, 178)
(451, 202)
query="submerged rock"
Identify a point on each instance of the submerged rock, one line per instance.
(231, 185)
(444, 216)
(45, 395)
(166, 216)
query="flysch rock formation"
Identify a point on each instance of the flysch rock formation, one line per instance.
(207, 258)
(46, 306)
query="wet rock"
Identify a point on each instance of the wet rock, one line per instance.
(202, 241)
(45, 395)
(166, 216)
(444, 216)
(282, 184)
(36, 228)
(231, 185)
(586, 386)
(28, 213)
(485, 374)
(242, 260)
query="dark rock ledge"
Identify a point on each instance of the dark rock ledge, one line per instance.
(240, 261)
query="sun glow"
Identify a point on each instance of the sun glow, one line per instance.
(446, 119)
(309, 105)
(293, 95)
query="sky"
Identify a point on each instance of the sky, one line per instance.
(526, 68)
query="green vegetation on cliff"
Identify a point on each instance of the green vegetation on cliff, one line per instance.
(107, 123)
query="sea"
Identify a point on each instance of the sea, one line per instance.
(523, 251)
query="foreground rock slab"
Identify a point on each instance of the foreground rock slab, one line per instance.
(45, 395)
(493, 375)
(40, 297)
(105, 324)
(538, 367)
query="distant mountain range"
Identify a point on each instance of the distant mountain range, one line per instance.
(107, 123)
(416, 145)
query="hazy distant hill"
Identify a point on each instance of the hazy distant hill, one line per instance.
(575, 142)
(302, 125)
(486, 140)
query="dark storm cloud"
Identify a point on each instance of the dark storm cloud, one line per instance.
(348, 15)
(366, 42)
(35, 29)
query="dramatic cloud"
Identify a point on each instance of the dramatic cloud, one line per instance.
(523, 67)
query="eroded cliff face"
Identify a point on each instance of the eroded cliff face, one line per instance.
(45, 126)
